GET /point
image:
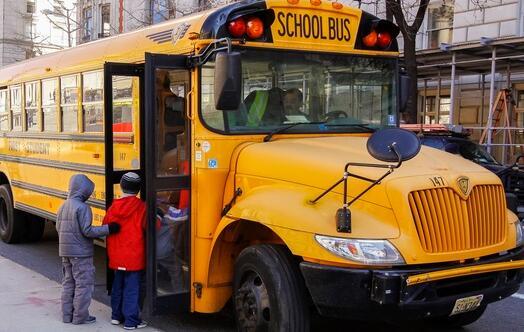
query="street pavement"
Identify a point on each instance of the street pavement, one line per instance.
(30, 300)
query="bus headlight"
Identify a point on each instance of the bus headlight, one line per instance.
(372, 252)
(520, 233)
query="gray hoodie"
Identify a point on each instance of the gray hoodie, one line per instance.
(73, 221)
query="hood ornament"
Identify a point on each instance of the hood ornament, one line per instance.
(463, 184)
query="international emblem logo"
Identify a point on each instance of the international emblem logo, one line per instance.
(463, 184)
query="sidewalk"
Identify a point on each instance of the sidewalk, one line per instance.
(31, 302)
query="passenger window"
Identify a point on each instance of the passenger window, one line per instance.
(49, 104)
(16, 107)
(31, 106)
(69, 103)
(123, 103)
(93, 101)
(4, 110)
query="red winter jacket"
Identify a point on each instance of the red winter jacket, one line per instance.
(126, 249)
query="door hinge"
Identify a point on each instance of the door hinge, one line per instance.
(198, 289)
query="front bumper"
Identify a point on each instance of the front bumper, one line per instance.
(385, 294)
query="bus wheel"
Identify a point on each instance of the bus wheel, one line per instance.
(34, 228)
(11, 221)
(459, 320)
(269, 292)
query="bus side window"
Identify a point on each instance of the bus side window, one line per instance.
(16, 106)
(31, 106)
(69, 103)
(49, 105)
(4, 110)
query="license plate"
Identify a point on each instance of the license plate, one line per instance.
(466, 304)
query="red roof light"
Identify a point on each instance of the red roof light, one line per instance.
(237, 28)
(384, 39)
(371, 39)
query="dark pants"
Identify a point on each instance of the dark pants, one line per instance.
(77, 288)
(125, 297)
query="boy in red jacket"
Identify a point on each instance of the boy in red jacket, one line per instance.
(126, 252)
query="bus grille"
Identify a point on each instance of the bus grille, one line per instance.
(445, 222)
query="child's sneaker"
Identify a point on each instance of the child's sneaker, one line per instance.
(90, 320)
(140, 325)
(115, 322)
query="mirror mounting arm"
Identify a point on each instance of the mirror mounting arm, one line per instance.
(214, 47)
(343, 215)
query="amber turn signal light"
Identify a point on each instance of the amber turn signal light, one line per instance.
(371, 39)
(255, 28)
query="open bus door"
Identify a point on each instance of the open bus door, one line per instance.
(123, 86)
(167, 174)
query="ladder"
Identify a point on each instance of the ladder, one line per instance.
(501, 122)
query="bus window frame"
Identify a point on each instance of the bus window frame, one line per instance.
(82, 114)
(77, 104)
(7, 109)
(295, 132)
(37, 107)
(56, 105)
(20, 110)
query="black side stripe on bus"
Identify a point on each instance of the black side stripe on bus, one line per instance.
(98, 203)
(55, 164)
(161, 37)
(35, 211)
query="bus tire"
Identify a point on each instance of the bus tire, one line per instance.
(459, 320)
(34, 228)
(12, 222)
(269, 293)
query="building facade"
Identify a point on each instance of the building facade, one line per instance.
(33, 28)
(103, 18)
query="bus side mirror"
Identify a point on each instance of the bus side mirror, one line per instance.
(405, 82)
(228, 81)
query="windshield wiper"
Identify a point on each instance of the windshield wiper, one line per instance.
(285, 128)
(364, 126)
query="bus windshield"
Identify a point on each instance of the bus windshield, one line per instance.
(320, 92)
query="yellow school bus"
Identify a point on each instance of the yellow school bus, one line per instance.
(274, 177)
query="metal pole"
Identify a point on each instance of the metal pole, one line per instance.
(439, 87)
(491, 96)
(482, 96)
(424, 104)
(452, 91)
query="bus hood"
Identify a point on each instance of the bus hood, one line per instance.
(319, 162)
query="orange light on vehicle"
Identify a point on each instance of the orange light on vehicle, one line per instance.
(237, 28)
(293, 2)
(255, 28)
(384, 39)
(337, 5)
(371, 39)
(315, 2)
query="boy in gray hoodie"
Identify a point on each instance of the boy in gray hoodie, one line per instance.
(75, 237)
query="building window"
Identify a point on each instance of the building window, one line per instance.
(69, 103)
(31, 7)
(16, 106)
(440, 23)
(105, 28)
(88, 23)
(4, 110)
(432, 115)
(31, 106)
(49, 104)
(93, 101)
(161, 10)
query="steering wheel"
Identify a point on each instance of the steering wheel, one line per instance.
(335, 115)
